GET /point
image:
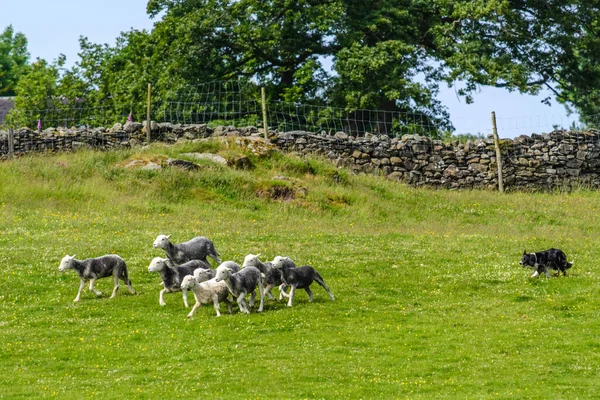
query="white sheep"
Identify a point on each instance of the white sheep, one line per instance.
(96, 268)
(207, 292)
(203, 275)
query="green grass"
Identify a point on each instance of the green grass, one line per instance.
(430, 299)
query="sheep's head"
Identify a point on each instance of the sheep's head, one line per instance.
(222, 273)
(66, 263)
(202, 275)
(279, 261)
(188, 282)
(162, 241)
(251, 260)
(157, 264)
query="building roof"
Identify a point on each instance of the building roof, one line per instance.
(6, 104)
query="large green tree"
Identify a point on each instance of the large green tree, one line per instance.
(524, 45)
(13, 60)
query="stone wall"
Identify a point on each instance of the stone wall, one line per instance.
(560, 159)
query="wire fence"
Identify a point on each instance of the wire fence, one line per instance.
(239, 104)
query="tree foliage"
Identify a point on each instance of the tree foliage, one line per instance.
(13, 60)
(383, 54)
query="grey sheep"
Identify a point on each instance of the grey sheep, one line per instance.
(299, 277)
(172, 275)
(242, 283)
(270, 275)
(197, 248)
(92, 269)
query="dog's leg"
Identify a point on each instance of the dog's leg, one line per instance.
(536, 273)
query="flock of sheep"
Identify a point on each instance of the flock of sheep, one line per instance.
(186, 268)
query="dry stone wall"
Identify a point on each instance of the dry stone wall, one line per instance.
(560, 159)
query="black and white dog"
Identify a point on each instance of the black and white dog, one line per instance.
(543, 260)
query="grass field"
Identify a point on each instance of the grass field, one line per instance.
(430, 299)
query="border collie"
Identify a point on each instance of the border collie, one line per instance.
(543, 260)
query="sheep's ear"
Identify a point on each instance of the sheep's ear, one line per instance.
(73, 256)
(169, 236)
(258, 255)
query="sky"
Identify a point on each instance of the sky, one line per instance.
(54, 27)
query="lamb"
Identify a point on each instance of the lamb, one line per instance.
(270, 276)
(203, 275)
(95, 268)
(207, 292)
(300, 277)
(241, 283)
(172, 275)
(197, 248)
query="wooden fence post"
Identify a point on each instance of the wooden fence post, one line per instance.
(264, 111)
(148, 124)
(11, 143)
(498, 154)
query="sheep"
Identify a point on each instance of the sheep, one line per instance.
(172, 275)
(300, 277)
(96, 268)
(270, 276)
(197, 248)
(241, 283)
(203, 275)
(207, 292)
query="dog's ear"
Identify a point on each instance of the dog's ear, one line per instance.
(524, 252)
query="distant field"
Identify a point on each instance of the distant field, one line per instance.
(430, 299)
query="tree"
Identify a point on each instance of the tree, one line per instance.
(349, 55)
(524, 45)
(13, 60)
(36, 92)
(376, 50)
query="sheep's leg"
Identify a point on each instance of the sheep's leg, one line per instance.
(96, 292)
(216, 258)
(129, 286)
(252, 297)
(229, 306)
(242, 303)
(216, 304)
(310, 294)
(116, 287)
(291, 295)
(185, 297)
(282, 292)
(161, 298)
(321, 282)
(81, 285)
(261, 292)
(268, 291)
(191, 314)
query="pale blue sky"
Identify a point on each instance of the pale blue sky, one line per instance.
(54, 27)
